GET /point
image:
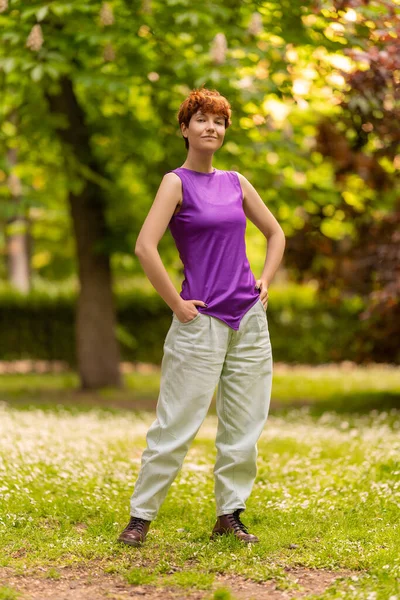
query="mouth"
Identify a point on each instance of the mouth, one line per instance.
(210, 137)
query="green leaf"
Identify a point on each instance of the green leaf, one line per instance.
(41, 13)
(52, 71)
(7, 64)
(27, 14)
(61, 9)
(37, 73)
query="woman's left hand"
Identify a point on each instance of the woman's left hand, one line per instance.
(262, 286)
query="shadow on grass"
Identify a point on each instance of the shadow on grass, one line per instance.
(116, 400)
(346, 403)
(75, 401)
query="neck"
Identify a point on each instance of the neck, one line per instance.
(198, 162)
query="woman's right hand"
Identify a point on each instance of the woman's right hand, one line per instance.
(187, 311)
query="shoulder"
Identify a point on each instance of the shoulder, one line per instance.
(241, 177)
(242, 180)
(171, 176)
(170, 186)
(171, 180)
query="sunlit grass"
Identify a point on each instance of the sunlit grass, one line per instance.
(327, 495)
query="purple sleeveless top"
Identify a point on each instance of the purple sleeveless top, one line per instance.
(209, 234)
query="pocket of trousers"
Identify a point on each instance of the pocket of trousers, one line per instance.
(188, 322)
(262, 306)
(262, 317)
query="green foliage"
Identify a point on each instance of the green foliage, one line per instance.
(130, 68)
(315, 129)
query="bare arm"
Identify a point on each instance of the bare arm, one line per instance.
(168, 195)
(256, 211)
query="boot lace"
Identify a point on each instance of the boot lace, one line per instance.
(136, 523)
(236, 522)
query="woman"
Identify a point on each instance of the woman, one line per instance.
(219, 331)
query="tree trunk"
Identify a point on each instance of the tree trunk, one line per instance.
(17, 250)
(97, 347)
(17, 232)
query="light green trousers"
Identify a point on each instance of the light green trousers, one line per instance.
(198, 356)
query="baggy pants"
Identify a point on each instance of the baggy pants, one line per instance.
(198, 355)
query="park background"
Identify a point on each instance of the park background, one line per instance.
(89, 97)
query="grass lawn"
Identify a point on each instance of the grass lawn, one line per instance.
(340, 388)
(326, 498)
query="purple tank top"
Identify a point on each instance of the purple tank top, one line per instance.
(209, 233)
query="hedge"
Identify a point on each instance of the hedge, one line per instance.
(303, 327)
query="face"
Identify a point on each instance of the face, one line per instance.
(205, 131)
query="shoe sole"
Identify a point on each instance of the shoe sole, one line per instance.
(130, 543)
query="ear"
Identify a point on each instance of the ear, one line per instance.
(183, 130)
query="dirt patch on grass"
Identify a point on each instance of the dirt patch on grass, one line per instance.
(79, 584)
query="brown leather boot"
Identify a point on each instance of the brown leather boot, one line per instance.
(232, 524)
(135, 532)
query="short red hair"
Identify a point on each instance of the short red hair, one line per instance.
(208, 101)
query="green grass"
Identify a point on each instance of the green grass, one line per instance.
(140, 576)
(52, 573)
(7, 593)
(222, 594)
(327, 493)
(339, 388)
